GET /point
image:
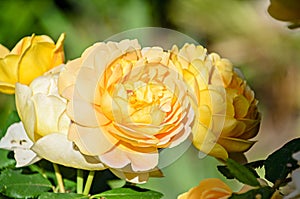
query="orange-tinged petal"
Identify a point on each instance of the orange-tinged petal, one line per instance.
(211, 188)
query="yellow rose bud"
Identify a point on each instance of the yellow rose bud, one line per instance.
(30, 58)
(43, 113)
(227, 115)
(207, 189)
(125, 104)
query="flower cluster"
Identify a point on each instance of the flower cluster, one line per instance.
(119, 104)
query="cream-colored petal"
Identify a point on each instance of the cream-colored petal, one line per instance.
(26, 109)
(83, 113)
(67, 78)
(91, 141)
(48, 110)
(86, 84)
(143, 161)
(140, 159)
(57, 148)
(25, 157)
(115, 158)
(15, 138)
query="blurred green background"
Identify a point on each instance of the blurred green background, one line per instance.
(266, 51)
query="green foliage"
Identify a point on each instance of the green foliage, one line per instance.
(17, 185)
(280, 163)
(8, 113)
(277, 165)
(62, 196)
(262, 193)
(5, 160)
(128, 193)
(240, 172)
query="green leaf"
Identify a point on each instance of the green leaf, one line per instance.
(62, 196)
(242, 173)
(255, 164)
(17, 185)
(264, 192)
(128, 193)
(8, 113)
(6, 162)
(280, 163)
(225, 171)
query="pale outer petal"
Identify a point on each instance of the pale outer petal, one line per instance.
(25, 157)
(91, 141)
(56, 148)
(121, 156)
(25, 108)
(17, 140)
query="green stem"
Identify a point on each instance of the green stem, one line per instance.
(88, 183)
(79, 181)
(59, 179)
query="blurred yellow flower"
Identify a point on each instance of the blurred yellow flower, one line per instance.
(211, 188)
(126, 103)
(214, 188)
(227, 115)
(30, 58)
(43, 113)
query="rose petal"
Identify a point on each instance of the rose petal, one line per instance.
(56, 148)
(15, 138)
(25, 109)
(3, 51)
(25, 157)
(122, 155)
(91, 141)
(48, 109)
(235, 144)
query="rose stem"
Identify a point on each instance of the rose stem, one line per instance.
(79, 181)
(88, 183)
(59, 178)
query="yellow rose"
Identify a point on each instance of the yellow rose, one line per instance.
(208, 189)
(125, 104)
(43, 113)
(226, 116)
(30, 58)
